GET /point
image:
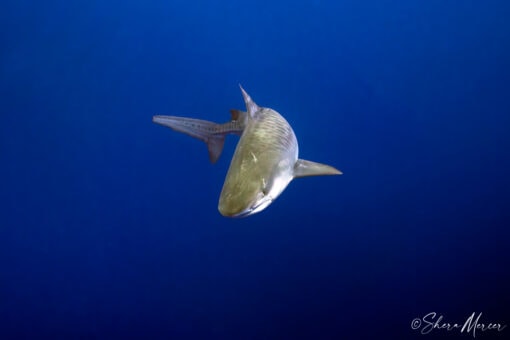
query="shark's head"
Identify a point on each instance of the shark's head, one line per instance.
(261, 167)
(246, 198)
(231, 208)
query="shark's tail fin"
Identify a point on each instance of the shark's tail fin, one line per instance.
(215, 147)
(210, 133)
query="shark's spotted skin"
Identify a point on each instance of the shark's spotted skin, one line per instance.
(265, 159)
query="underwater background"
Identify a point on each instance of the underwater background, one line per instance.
(109, 227)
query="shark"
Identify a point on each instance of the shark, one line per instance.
(265, 160)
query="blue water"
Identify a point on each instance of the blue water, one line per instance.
(109, 226)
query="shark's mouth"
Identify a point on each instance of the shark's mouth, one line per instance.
(258, 206)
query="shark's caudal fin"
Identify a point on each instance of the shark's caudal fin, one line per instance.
(215, 147)
(304, 168)
(211, 133)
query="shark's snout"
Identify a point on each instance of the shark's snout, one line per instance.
(236, 209)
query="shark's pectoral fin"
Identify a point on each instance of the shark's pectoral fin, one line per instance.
(215, 147)
(304, 168)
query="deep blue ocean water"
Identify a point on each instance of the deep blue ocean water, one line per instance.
(109, 226)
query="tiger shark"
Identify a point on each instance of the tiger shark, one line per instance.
(265, 160)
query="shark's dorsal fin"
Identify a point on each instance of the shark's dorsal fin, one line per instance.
(251, 107)
(304, 168)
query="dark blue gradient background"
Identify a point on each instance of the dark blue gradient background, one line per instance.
(109, 226)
